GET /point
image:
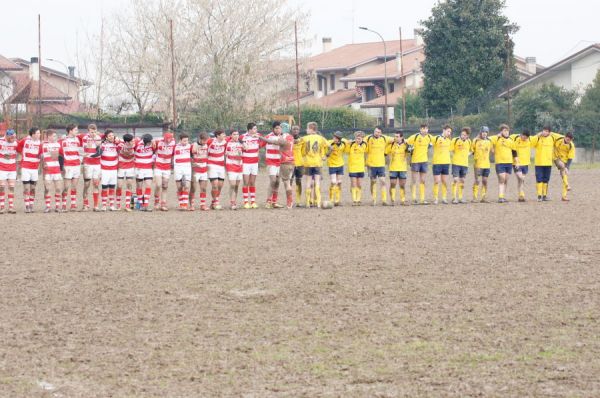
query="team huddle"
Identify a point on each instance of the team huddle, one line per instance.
(126, 173)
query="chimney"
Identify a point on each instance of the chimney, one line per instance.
(72, 72)
(419, 37)
(531, 65)
(398, 61)
(327, 43)
(34, 72)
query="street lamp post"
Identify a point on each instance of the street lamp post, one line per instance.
(385, 109)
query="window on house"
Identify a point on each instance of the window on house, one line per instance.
(320, 80)
(345, 83)
(332, 82)
(391, 87)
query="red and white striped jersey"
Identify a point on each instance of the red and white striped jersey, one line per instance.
(70, 150)
(144, 155)
(50, 152)
(182, 154)
(216, 152)
(31, 152)
(8, 155)
(287, 154)
(109, 159)
(200, 158)
(126, 154)
(89, 144)
(273, 155)
(251, 146)
(164, 153)
(233, 156)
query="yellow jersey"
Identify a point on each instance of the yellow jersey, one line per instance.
(441, 150)
(336, 156)
(564, 151)
(356, 156)
(398, 156)
(376, 150)
(544, 148)
(461, 151)
(314, 149)
(481, 149)
(523, 149)
(297, 150)
(420, 144)
(503, 149)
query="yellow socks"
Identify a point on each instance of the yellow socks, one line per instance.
(460, 190)
(413, 190)
(384, 195)
(483, 192)
(402, 194)
(374, 192)
(476, 192)
(338, 193)
(436, 191)
(298, 194)
(393, 194)
(454, 188)
(422, 192)
(317, 194)
(539, 188)
(444, 192)
(308, 193)
(545, 189)
(331, 190)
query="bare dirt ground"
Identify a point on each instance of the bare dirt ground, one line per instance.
(452, 301)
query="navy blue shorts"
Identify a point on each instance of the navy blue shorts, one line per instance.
(419, 167)
(504, 168)
(357, 175)
(459, 171)
(483, 172)
(522, 169)
(298, 172)
(375, 172)
(441, 169)
(312, 171)
(336, 170)
(398, 174)
(542, 173)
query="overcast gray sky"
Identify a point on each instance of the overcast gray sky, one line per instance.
(550, 29)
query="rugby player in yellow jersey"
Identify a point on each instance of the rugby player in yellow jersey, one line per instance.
(356, 151)
(376, 144)
(419, 147)
(461, 149)
(314, 149)
(523, 145)
(564, 153)
(543, 143)
(335, 163)
(398, 153)
(505, 153)
(481, 149)
(441, 164)
(298, 164)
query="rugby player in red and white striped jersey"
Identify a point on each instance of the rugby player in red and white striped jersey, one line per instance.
(71, 151)
(251, 146)
(200, 170)
(52, 177)
(30, 149)
(91, 165)
(273, 161)
(8, 170)
(216, 166)
(182, 165)
(109, 161)
(163, 149)
(233, 166)
(126, 170)
(144, 160)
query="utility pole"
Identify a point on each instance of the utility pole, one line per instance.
(297, 77)
(403, 81)
(507, 77)
(173, 77)
(39, 104)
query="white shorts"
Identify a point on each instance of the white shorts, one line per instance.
(234, 176)
(273, 171)
(72, 172)
(109, 177)
(92, 171)
(143, 174)
(8, 175)
(183, 173)
(215, 171)
(126, 173)
(162, 173)
(29, 175)
(200, 177)
(53, 177)
(250, 169)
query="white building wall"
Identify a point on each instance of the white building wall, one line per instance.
(583, 71)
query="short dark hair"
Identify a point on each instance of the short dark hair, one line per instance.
(108, 131)
(424, 125)
(128, 137)
(276, 124)
(380, 128)
(203, 135)
(526, 133)
(219, 132)
(446, 127)
(547, 128)
(33, 130)
(400, 133)
(570, 135)
(504, 127)
(70, 127)
(250, 126)
(466, 130)
(184, 135)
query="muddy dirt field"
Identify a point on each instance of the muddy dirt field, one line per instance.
(451, 301)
